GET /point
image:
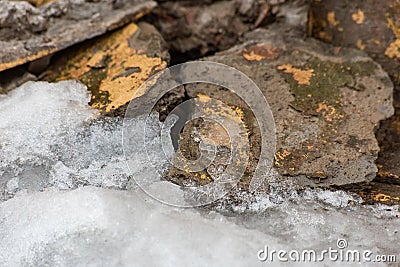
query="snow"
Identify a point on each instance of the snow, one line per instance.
(67, 199)
(49, 136)
(99, 227)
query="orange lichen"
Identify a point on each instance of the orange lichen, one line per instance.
(279, 156)
(360, 44)
(122, 69)
(328, 112)
(261, 52)
(301, 76)
(393, 49)
(38, 2)
(384, 198)
(331, 18)
(40, 54)
(358, 17)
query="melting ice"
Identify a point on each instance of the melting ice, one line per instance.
(67, 199)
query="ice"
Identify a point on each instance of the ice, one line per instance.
(98, 227)
(49, 136)
(68, 199)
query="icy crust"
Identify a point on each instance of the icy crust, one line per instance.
(49, 136)
(36, 115)
(98, 227)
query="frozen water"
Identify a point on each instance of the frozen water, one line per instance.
(98, 227)
(51, 141)
(49, 136)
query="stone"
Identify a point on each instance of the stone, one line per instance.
(195, 29)
(374, 27)
(326, 104)
(37, 2)
(28, 33)
(114, 66)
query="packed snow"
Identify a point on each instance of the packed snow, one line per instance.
(68, 199)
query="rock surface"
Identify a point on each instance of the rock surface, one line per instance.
(113, 66)
(197, 28)
(372, 26)
(326, 104)
(28, 33)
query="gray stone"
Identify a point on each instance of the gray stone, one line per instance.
(28, 33)
(326, 102)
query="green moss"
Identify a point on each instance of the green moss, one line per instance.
(93, 79)
(328, 77)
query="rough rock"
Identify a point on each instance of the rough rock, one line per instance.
(197, 28)
(13, 78)
(37, 2)
(113, 66)
(28, 33)
(371, 26)
(326, 104)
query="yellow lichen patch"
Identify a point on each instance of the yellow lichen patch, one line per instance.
(328, 112)
(360, 44)
(323, 35)
(358, 17)
(122, 89)
(215, 133)
(203, 98)
(386, 174)
(261, 52)
(111, 67)
(384, 198)
(301, 76)
(393, 49)
(331, 18)
(96, 60)
(392, 26)
(279, 156)
(38, 2)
